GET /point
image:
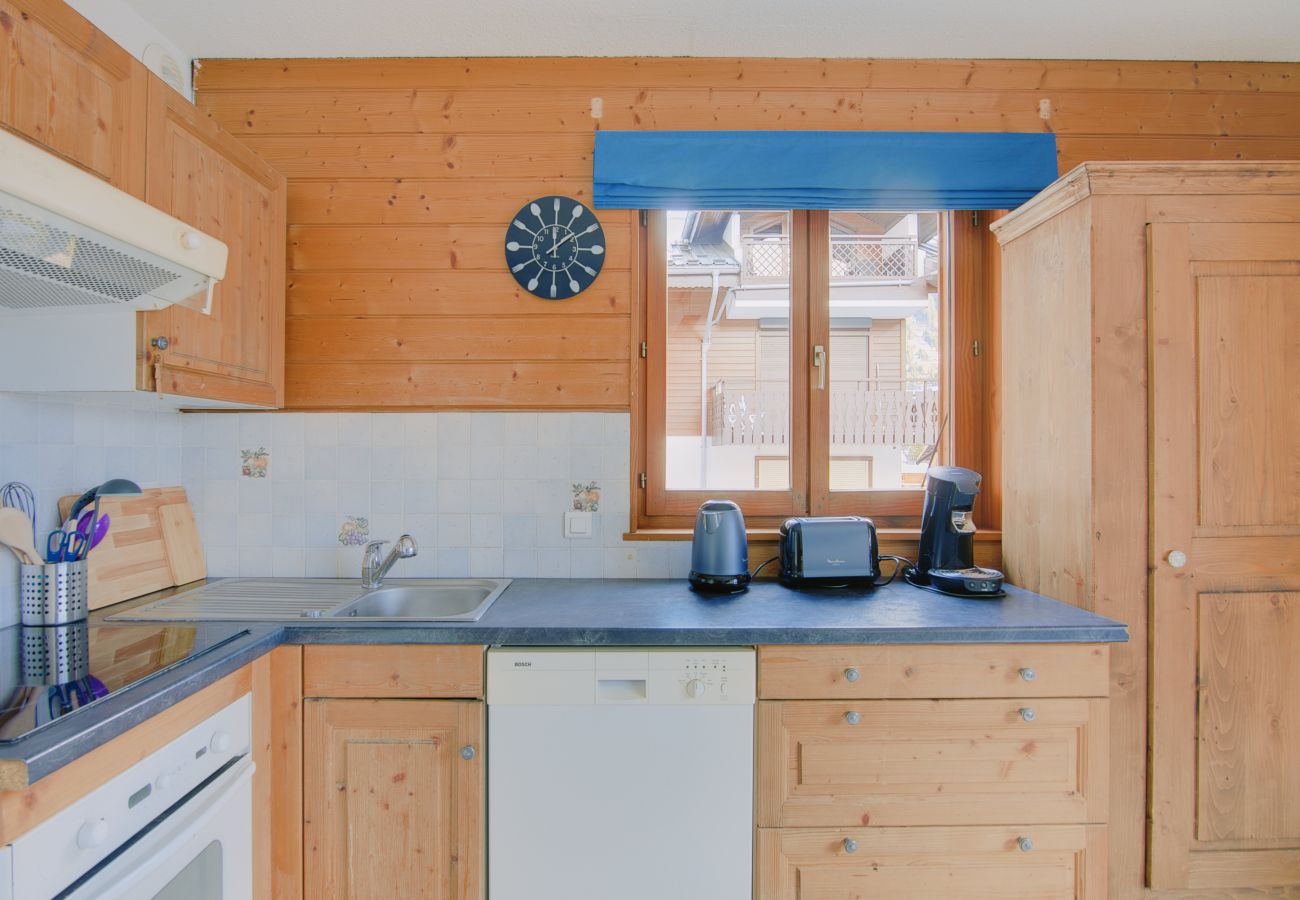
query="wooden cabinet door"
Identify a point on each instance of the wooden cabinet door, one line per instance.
(931, 762)
(203, 176)
(392, 808)
(66, 86)
(1058, 862)
(1225, 583)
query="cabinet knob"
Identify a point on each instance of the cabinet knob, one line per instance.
(467, 752)
(1027, 713)
(853, 717)
(1176, 559)
(1024, 844)
(850, 845)
(1028, 674)
(160, 343)
(851, 674)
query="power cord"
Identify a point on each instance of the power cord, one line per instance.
(762, 566)
(901, 565)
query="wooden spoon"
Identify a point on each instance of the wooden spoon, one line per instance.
(16, 534)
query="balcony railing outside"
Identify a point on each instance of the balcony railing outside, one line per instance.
(878, 412)
(853, 257)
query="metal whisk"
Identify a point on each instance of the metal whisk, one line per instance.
(19, 496)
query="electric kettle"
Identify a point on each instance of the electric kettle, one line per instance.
(719, 551)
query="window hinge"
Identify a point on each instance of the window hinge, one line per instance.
(975, 347)
(645, 350)
(642, 481)
(975, 218)
(645, 217)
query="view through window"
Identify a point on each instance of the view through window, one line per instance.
(729, 411)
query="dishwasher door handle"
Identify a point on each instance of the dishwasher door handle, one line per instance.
(620, 690)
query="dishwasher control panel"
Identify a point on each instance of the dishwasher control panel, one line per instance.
(697, 676)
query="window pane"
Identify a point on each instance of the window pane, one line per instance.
(884, 348)
(728, 354)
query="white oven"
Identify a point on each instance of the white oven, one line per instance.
(175, 826)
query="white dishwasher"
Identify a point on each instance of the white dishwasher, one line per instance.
(620, 773)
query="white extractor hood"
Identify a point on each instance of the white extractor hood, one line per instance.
(69, 241)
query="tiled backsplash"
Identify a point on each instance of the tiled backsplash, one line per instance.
(483, 494)
(59, 447)
(297, 494)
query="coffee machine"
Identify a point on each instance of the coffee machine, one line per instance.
(946, 558)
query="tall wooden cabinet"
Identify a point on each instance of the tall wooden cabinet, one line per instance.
(1151, 365)
(202, 175)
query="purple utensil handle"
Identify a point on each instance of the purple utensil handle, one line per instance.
(101, 529)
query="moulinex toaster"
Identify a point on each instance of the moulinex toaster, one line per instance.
(826, 551)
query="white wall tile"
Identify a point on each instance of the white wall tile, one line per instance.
(482, 493)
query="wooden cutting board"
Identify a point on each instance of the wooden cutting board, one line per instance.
(152, 544)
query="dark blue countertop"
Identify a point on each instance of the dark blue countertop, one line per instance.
(545, 612)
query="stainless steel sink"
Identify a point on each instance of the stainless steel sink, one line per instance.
(440, 600)
(285, 599)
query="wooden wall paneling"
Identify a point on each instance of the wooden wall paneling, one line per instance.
(779, 74)
(66, 86)
(443, 147)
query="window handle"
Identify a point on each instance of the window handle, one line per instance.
(819, 360)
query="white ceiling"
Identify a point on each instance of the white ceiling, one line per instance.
(1018, 29)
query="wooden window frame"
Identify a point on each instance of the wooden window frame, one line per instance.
(969, 285)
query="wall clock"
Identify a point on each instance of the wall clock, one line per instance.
(555, 247)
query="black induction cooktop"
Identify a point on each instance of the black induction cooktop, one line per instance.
(47, 673)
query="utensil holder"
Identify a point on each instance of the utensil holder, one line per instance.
(55, 593)
(55, 654)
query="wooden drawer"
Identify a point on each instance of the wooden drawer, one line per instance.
(933, 671)
(1066, 861)
(932, 762)
(392, 670)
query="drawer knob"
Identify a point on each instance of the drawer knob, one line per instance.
(1024, 844)
(1176, 559)
(467, 752)
(1027, 713)
(851, 846)
(851, 674)
(1028, 674)
(853, 717)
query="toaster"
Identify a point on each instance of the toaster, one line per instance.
(828, 551)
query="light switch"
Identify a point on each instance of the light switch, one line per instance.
(577, 524)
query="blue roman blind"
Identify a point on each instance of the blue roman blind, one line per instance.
(820, 169)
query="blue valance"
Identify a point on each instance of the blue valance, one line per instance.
(820, 169)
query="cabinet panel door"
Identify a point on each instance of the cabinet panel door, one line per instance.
(66, 86)
(203, 176)
(391, 807)
(926, 762)
(1225, 727)
(1060, 862)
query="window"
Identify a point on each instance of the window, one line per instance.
(796, 362)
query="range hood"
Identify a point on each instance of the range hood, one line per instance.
(69, 240)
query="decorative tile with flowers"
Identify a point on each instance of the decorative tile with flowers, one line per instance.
(586, 497)
(255, 462)
(355, 531)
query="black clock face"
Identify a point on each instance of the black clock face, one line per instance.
(555, 247)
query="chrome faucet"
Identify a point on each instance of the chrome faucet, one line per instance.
(373, 568)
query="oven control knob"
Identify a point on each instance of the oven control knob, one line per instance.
(164, 782)
(695, 688)
(92, 834)
(220, 742)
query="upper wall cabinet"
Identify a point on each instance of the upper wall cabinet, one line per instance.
(202, 175)
(66, 86)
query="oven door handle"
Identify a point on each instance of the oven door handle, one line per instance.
(146, 866)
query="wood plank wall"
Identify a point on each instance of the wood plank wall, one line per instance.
(403, 173)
